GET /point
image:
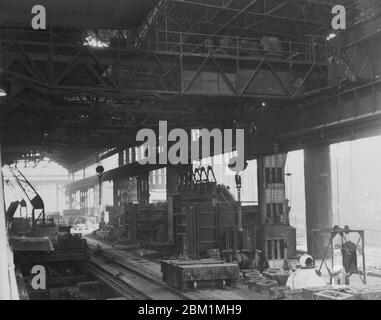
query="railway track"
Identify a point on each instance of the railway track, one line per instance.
(130, 283)
(116, 284)
(131, 264)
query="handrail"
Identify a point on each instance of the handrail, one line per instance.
(314, 49)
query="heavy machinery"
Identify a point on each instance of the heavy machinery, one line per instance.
(208, 217)
(30, 197)
(36, 240)
(345, 248)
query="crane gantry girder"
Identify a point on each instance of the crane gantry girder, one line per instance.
(354, 112)
(55, 87)
(166, 68)
(67, 79)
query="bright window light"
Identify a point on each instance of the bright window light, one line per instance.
(92, 42)
(331, 36)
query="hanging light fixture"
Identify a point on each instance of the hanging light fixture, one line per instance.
(2, 92)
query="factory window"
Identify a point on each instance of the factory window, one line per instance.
(137, 155)
(77, 200)
(111, 162)
(150, 177)
(91, 197)
(159, 181)
(90, 171)
(142, 152)
(164, 176)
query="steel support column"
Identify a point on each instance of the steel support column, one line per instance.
(318, 192)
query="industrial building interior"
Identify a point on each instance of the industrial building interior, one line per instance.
(91, 212)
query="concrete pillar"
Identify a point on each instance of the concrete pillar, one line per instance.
(318, 193)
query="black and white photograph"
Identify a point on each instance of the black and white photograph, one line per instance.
(188, 157)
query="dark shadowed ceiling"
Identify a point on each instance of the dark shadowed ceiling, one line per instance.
(78, 13)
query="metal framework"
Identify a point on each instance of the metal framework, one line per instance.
(167, 66)
(349, 262)
(196, 64)
(116, 90)
(354, 113)
(243, 17)
(31, 195)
